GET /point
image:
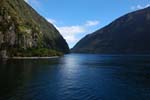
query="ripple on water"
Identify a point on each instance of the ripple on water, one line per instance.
(77, 77)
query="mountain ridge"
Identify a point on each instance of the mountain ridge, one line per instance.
(23, 28)
(119, 36)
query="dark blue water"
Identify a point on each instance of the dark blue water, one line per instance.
(76, 77)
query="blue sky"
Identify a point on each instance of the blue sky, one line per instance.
(77, 18)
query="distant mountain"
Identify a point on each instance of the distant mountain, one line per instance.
(23, 32)
(128, 34)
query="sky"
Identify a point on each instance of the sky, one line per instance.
(76, 18)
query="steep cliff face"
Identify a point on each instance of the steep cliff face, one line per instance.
(21, 27)
(127, 34)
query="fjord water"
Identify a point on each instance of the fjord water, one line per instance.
(77, 77)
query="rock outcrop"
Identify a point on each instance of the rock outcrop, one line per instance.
(22, 28)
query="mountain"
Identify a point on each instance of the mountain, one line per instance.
(23, 32)
(128, 34)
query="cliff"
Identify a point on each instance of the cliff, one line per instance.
(23, 32)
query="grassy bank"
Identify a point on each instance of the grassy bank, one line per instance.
(33, 52)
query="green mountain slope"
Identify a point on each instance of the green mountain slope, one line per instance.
(22, 30)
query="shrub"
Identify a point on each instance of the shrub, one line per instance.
(33, 52)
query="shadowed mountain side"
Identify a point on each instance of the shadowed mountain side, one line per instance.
(128, 34)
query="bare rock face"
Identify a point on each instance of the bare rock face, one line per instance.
(21, 27)
(128, 34)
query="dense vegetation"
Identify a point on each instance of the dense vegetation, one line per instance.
(22, 28)
(128, 34)
(33, 52)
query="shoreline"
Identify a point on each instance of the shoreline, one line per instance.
(32, 57)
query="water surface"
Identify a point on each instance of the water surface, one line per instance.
(77, 77)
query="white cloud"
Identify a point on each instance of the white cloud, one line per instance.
(92, 23)
(68, 30)
(148, 5)
(51, 20)
(26, 0)
(36, 3)
(139, 6)
(71, 39)
(71, 33)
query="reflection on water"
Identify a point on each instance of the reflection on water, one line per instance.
(77, 77)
